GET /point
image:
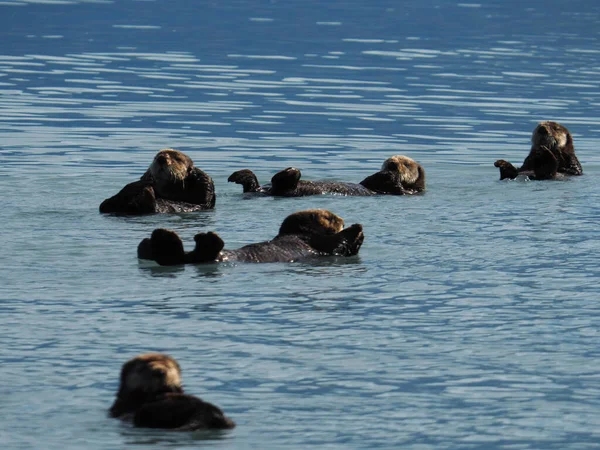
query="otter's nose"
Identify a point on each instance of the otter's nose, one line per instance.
(393, 166)
(543, 131)
(161, 159)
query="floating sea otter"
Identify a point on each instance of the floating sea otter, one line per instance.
(399, 175)
(170, 185)
(150, 395)
(552, 155)
(304, 234)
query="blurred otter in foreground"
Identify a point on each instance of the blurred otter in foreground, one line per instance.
(302, 235)
(399, 175)
(552, 155)
(150, 395)
(170, 185)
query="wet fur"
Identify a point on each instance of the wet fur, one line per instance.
(399, 175)
(552, 155)
(302, 235)
(170, 185)
(150, 395)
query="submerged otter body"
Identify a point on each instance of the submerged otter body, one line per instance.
(170, 185)
(150, 395)
(302, 235)
(552, 155)
(399, 175)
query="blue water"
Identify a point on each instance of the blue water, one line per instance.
(470, 318)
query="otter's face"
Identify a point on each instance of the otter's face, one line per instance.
(170, 165)
(407, 168)
(318, 221)
(550, 135)
(151, 373)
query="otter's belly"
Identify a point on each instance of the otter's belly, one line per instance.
(281, 249)
(328, 187)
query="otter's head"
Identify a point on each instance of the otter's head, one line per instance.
(170, 166)
(143, 378)
(152, 373)
(551, 135)
(407, 168)
(312, 221)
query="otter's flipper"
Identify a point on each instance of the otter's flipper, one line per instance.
(285, 181)
(419, 185)
(384, 182)
(144, 250)
(507, 170)
(345, 243)
(135, 198)
(208, 247)
(246, 178)
(181, 412)
(571, 165)
(165, 248)
(199, 189)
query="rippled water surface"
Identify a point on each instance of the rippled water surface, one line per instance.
(470, 318)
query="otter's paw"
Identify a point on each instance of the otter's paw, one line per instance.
(507, 170)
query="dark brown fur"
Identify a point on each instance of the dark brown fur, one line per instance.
(302, 235)
(150, 396)
(552, 155)
(399, 175)
(170, 185)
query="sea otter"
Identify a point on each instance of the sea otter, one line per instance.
(305, 234)
(170, 185)
(399, 175)
(552, 155)
(150, 395)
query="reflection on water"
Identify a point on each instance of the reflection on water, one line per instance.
(467, 321)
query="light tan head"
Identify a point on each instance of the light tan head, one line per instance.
(151, 373)
(550, 135)
(315, 221)
(407, 167)
(170, 166)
